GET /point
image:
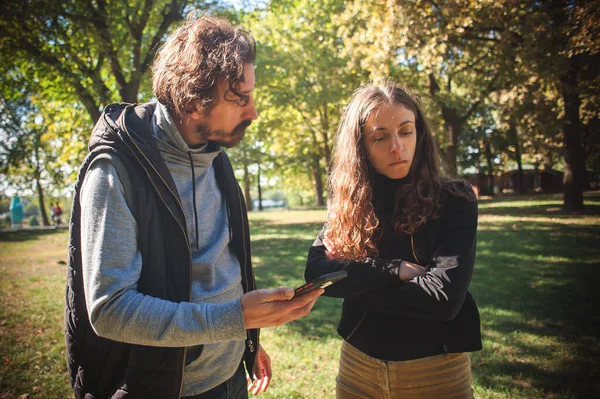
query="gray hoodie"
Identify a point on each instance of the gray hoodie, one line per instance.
(112, 265)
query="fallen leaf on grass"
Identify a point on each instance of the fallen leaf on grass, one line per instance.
(524, 384)
(481, 363)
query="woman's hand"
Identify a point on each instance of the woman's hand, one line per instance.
(329, 250)
(409, 270)
(262, 373)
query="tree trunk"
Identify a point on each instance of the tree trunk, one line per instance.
(514, 138)
(129, 93)
(574, 177)
(247, 188)
(91, 107)
(36, 177)
(40, 192)
(317, 175)
(490, 168)
(453, 125)
(260, 205)
(325, 132)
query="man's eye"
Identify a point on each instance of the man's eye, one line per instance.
(242, 101)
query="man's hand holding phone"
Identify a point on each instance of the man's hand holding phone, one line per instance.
(273, 307)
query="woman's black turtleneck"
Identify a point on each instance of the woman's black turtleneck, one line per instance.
(387, 201)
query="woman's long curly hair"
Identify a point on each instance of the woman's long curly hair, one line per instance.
(352, 227)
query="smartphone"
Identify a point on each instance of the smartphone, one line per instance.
(321, 282)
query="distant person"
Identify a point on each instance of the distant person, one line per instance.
(56, 214)
(406, 236)
(161, 297)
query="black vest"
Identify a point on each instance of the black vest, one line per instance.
(102, 368)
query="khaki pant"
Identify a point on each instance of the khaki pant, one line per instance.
(363, 377)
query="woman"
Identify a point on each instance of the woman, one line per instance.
(406, 236)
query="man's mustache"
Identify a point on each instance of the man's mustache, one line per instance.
(243, 124)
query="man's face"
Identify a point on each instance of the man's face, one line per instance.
(227, 121)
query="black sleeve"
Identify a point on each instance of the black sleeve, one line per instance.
(440, 293)
(362, 276)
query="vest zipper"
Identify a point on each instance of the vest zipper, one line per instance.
(194, 199)
(249, 342)
(187, 241)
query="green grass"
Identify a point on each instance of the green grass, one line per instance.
(32, 349)
(536, 283)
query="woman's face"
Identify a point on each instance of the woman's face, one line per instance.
(390, 139)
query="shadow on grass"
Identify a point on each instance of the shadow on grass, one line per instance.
(568, 382)
(552, 211)
(514, 206)
(545, 278)
(28, 234)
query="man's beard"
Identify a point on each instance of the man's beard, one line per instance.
(222, 138)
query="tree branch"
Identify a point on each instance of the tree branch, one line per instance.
(171, 14)
(127, 18)
(489, 88)
(99, 20)
(434, 87)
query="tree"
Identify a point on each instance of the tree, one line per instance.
(246, 155)
(307, 92)
(559, 42)
(24, 150)
(95, 51)
(75, 57)
(562, 30)
(451, 50)
(485, 142)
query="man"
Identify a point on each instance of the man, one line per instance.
(161, 298)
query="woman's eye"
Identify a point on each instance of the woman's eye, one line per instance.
(408, 133)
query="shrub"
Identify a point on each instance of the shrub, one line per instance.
(33, 221)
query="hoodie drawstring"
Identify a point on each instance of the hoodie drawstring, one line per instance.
(194, 198)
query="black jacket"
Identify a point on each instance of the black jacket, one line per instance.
(433, 314)
(102, 368)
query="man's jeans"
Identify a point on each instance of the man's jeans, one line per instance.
(234, 388)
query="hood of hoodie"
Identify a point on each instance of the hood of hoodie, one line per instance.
(172, 146)
(127, 129)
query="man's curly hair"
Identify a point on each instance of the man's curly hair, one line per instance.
(201, 54)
